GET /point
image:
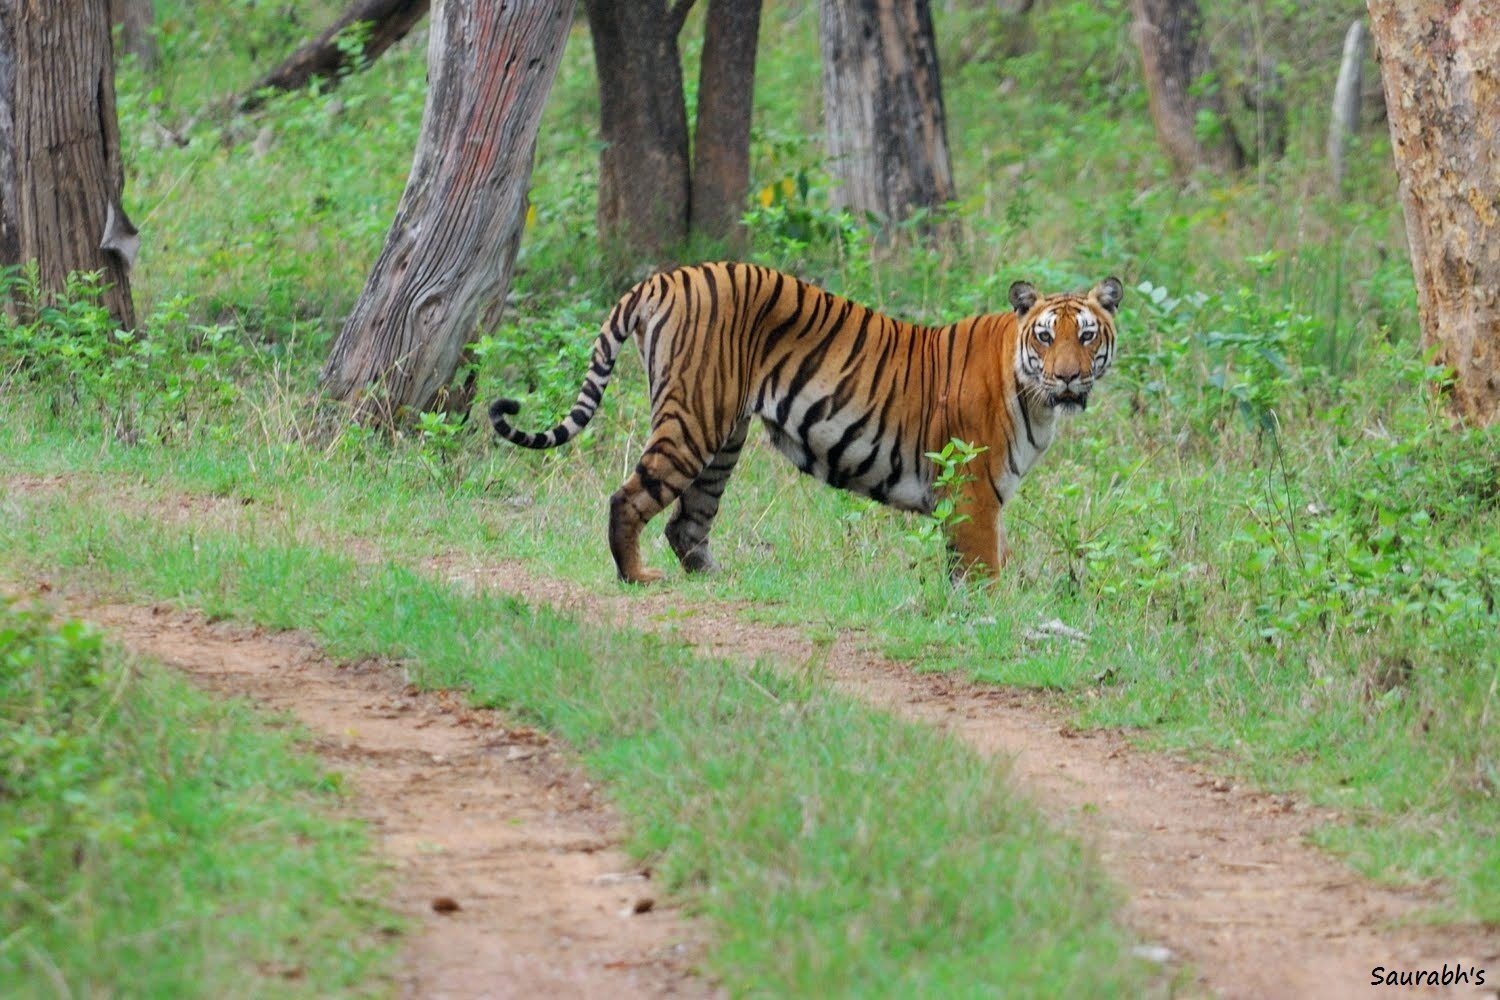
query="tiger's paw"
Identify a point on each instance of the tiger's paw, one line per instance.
(645, 576)
(700, 561)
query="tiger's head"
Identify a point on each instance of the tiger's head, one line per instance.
(1066, 342)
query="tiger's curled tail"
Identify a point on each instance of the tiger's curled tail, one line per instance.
(618, 326)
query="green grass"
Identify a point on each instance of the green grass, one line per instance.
(155, 842)
(836, 851)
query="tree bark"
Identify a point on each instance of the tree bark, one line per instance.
(136, 19)
(1174, 57)
(389, 20)
(448, 256)
(721, 141)
(61, 176)
(883, 103)
(1442, 90)
(644, 183)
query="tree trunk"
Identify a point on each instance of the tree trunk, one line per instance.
(883, 103)
(1343, 119)
(643, 169)
(1442, 91)
(61, 176)
(136, 19)
(1174, 57)
(721, 141)
(649, 193)
(446, 264)
(389, 20)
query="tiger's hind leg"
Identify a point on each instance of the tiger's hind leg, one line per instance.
(687, 531)
(668, 466)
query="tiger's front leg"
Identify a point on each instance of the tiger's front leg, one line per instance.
(976, 543)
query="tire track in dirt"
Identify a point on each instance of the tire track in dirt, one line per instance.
(1219, 875)
(493, 820)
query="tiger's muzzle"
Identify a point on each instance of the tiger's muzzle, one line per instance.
(1070, 395)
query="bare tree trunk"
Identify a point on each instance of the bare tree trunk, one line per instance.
(389, 20)
(1442, 90)
(1344, 118)
(136, 19)
(721, 142)
(644, 183)
(883, 103)
(61, 176)
(1174, 56)
(448, 256)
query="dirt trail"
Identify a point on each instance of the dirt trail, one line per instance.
(493, 819)
(1218, 875)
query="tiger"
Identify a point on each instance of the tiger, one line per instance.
(849, 395)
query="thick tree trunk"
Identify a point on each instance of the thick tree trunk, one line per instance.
(1175, 56)
(1442, 94)
(60, 171)
(389, 20)
(448, 256)
(136, 19)
(643, 169)
(721, 141)
(883, 104)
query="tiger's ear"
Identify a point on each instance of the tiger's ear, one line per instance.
(1108, 293)
(1022, 297)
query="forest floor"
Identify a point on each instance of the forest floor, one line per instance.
(1219, 876)
(505, 855)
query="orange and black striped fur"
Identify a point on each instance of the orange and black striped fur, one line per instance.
(851, 396)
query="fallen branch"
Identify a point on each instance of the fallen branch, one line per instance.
(389, 20)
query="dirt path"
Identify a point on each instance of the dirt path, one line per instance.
(492, 820)
(1218, 875)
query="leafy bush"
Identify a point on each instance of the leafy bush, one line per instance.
(168, 373)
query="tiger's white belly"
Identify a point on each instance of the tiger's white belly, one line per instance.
(860, 463)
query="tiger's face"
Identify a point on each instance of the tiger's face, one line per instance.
(1066, 342)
